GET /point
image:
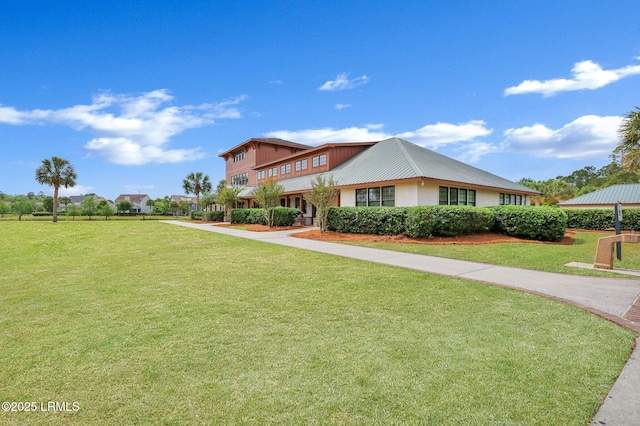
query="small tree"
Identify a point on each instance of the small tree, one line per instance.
(56, 172)
(267, 196)
(323, 195)
(47, 204)
(22, 206)
(104, 209)
(4, 208)
(88, 206)
(72, 210)
(228, 197)
(124, 206)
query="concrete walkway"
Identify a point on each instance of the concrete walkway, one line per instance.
(612, 298)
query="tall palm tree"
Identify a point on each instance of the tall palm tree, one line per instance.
(195, 183)
(629, 146)
(56, 172)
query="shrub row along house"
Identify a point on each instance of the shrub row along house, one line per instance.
(391, 172)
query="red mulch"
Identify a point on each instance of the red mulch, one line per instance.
(486, 238)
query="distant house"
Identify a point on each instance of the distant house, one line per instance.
(606, 198)
(139, 202)
(190, 200)
(78, 199)
(392, 172)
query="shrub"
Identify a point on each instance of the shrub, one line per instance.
(532, 223)
(215, 216)
(283, 216)
(602, 219)
(197, 215)
(421, 221)
(42, 214)
(248, 216)
(367, 220)
(451, 221)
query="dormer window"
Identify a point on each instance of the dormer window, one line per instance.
(239, 156)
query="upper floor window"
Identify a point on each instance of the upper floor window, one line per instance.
(260, 174)
(319, 160)
(239, 156)
(285, 168)
(241, 180)
(272, 172)
(301, 165)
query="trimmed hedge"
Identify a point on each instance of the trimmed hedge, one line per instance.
(44, 213)
(367, 220)
(215, 216)
(283, 216)
(602, 219)
(531, 223)
(537, 223)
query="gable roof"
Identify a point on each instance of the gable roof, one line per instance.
(625, 194)
(272, 141)
(134, 198)
(396, 159)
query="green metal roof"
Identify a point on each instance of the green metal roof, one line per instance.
(397, 159)
(625, 194)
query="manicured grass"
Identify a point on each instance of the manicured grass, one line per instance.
(148, 323)
(545, 257)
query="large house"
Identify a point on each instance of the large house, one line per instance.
(139, 202)
(391, 172)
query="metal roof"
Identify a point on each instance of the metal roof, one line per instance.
(396, 159)
(625, 194)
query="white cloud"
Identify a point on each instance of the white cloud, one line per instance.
(440, 134)
(330, 135)
(586, 75)
(587, 136)
(342, 106)
(342, 82)
(431, 136)
(131, 130)
(76, 190)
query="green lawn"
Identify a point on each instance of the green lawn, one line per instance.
(541, 256)
(148, 323)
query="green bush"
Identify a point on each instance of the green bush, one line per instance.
(215, 216)
(248, 216)
(602, 219)
(451, 221)
(43, 213)
(421, 221)
(367, 220)
(283, 216)
(197, 215)
(532, 223)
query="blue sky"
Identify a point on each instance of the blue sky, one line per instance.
(138, 94)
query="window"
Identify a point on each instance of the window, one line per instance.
(389, 196)
(376, 196)
(273, 171)
(260, 174)
(443, 198)
(239, 156)
(513, 199)
(285, 168)
(301, 165)
(453, 196)
(240, 180)
(457, 196)
(319, 160)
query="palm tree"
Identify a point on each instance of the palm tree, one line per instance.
(629, 146)
(56, 172)
(195, 183)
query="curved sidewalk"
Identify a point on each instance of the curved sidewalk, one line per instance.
(612, 298)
